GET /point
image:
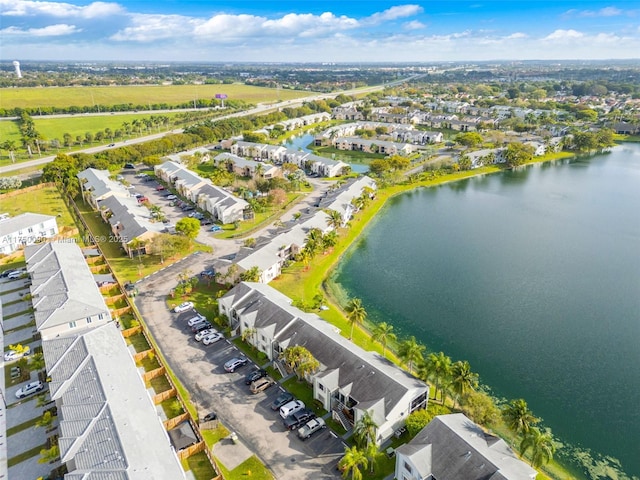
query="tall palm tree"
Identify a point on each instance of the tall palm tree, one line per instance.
(438, 367)
(329, 240)
(411, 351)
(350, 464)
(463, 379)
(356, 314)
(518, 416)
(335, 219)
(365, 431)
(383, 333)
(541, 444)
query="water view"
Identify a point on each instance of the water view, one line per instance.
(534, 277)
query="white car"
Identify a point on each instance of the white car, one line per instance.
(170, 197)
(195, 320)
(30, 389)
(291, 408)
(13, 355)
(200, 335)
(183, 307)
(311, 427)
(212, 338)
(17, 274)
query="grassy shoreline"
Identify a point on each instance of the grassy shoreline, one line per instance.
(303, 284)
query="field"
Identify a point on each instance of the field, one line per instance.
(46, 200)
(142, 95)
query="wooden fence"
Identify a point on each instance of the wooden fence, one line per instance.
(32, 188)
(156, 372)
(162, 396)
(175, 421)
(129, 332)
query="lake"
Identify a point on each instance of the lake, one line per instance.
(533, 276)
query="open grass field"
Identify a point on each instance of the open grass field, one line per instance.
(46, 200)
(138, 95)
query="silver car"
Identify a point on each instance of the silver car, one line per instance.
(311, 427)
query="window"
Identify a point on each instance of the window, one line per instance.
(89, 320)
(262, 337)
(100, 316)
(72, 324)
(30, 230)
(321, 387)
(407, 467)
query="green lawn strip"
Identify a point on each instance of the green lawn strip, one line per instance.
(199, 465)
(304, 391)
(247, 227)
(26, 455)
(139, 342)
(254, 354)
(160, 384)
(149, 363)
(6, 292)
(46, 201)
(211, 437)
(23, 426)
(13, 302)
(26, 341)
(172, 407)
(32, 323)
(9, 263)
(274, 373)
(250, 468)
(335, 426)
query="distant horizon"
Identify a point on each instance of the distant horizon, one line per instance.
(376, 31)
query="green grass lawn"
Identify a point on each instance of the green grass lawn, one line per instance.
(211, 437)
(251, 468)
(46, 201)
(303, 391)
(200, 466)
(138, 95)
(160, 384)
(139, 342)
(254, 354)
(26, 455)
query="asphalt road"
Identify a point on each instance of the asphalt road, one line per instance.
(200, 368)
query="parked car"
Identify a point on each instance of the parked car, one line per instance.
(283, 398)
(261, 384)
(254, 375)
(159, 188)
(12, 355)
(130, 166)
(201, 326)
(210, 417)
(205, 221)
(291, 407)
(196, 215)
(299, 418)
(235, 363)
(171, 197)
(311, 427)
(30, 389)
(212, 338)
(187, 208)
(142, 199)
(215, 228)
(17, 274)
(183, 307)
(197, 319)
(111, 144)
(203, 333)
(6, 273)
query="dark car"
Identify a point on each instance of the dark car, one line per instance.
(299, 418)
(6, 273)
(254, 375)
(201, 326)
(188, 208)
(283, 398)
(130, 166)
(210, 417)
(206, 221)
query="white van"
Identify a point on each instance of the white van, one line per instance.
(291, 407)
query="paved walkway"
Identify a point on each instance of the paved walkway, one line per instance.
(31, 470)
(231, 454)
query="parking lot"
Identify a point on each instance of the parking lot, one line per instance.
(201, 370)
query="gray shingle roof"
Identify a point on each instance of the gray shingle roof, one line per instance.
(453, 447)
(108, 424)
(21, 222)
(62, 286)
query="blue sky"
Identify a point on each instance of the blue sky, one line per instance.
(312, 31)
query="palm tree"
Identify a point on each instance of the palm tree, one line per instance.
(463, 379)
(383, 333)
(352, 461)
(251, 275)
(518, 416)
(438, 368)
(335, 219)
(541, 444)
(329, 240)
(304, 256)
(365, 431)
(356, 314)
(410, 352)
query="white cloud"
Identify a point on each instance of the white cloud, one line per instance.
(564, 35)
(49, 31)
(603, 12)
(517, 35)
(148, 28)
(413, 25)
(393, 13)
(28, 8)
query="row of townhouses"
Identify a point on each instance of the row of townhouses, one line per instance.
(130, 221)
(244, 167)
(489, 156)
(25, 229)
(221, 204)
(349, 382)
(271, 254)
(109, 427)
(399, 132)
(279, 154)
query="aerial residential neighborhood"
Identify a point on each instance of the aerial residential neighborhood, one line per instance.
(319, 241)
